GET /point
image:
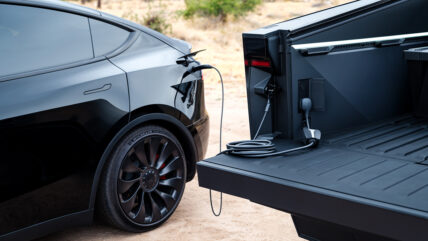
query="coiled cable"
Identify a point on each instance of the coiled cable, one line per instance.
(247, 148)
(260, 148)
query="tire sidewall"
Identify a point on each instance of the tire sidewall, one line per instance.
(113, 169)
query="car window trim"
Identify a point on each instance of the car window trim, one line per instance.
(72, 11)
(124, 46)
(131, 39)
(133, 35)
(50, 69)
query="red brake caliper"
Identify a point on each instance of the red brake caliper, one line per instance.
(163, 165)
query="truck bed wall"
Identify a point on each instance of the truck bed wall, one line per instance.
(360, 84)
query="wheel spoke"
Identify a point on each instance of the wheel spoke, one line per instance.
(175, 182)
(128, 204)
(151, 179)
(165, 153)
(172, 166)
(140, 152)
(129, 165)
(167, 199)
(156, 215)
(154, 147)
(140, 216)
(125, 185)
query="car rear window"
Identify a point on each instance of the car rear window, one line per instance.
(36, 38)
(107, 37)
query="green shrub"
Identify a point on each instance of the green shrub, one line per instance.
(218, 8)
(154, 19)
(157, 21)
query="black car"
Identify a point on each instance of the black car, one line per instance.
(94, 115)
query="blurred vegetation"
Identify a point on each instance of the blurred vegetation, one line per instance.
(154, 19)
(98, 2)
(220, 9)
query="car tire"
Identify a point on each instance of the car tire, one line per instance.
(143, 180)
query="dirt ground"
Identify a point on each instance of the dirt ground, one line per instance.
(240, 219)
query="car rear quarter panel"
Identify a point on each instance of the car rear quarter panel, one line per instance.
(152, 72)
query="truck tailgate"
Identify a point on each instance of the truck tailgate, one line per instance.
(372, 179)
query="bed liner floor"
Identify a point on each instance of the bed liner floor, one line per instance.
(379, 171)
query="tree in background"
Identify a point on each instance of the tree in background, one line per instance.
(219, 8)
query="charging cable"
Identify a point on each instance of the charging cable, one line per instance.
(221, 133)
(266, 148)
(258, 147)
(187, 73)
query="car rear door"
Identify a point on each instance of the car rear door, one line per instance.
(60, 98)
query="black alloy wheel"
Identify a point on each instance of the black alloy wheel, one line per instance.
(150, 178)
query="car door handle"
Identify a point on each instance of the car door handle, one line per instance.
(92, 91)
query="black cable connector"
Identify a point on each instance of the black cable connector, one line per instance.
(265, 148)
(187, 73)
(258, 147)
(196, 68)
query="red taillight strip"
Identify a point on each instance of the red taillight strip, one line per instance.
(260, 63)
(257, 63)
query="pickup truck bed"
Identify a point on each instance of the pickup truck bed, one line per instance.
(368, 178)
(373, 179)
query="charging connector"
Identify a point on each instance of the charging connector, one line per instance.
(311, 135)
(187, 73)
(265, 148)
(259, 147)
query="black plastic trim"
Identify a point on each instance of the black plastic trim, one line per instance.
(52, 225)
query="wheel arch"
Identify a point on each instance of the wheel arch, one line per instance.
(146, 116)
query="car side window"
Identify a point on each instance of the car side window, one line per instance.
(106, 37)
(35, 38)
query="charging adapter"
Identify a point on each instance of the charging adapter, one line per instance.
(258, 147)
(311, 135)
(266, 148)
